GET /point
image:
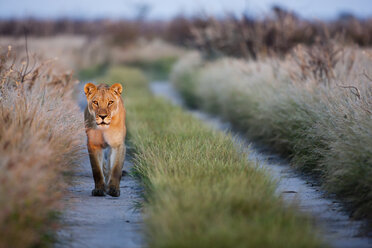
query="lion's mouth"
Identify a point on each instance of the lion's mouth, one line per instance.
(103, 124)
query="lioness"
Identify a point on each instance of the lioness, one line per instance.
(105, 127)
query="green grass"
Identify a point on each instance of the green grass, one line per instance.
(200, 190)
(323, 129)
(158, 69)
(92, 72)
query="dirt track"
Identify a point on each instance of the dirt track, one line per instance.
(101, 221)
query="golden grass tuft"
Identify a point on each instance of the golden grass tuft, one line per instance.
(40, 138)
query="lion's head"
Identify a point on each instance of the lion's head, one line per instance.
(103, 102)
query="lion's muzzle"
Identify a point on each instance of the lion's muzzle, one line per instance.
(103, 120)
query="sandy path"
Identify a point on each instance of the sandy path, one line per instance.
(101, 221)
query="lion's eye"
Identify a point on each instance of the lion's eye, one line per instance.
(110, 102)
(95, 103)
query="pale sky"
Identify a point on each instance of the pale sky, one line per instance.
(160, 9)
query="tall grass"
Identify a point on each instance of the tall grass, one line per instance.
(200, 190)
(321, 121)
(40, 135)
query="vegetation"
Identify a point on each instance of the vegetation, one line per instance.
(154, 57)
(277, 32)
(200, 190)
(158, 69)
(93, 71)
(40, 137)
(315, 107)
(301, 86)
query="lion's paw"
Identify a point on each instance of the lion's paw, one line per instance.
(114, 192)
(98, 192)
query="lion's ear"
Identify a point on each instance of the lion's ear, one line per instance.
(89, 89)
(117, 88)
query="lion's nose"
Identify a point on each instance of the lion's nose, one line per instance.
(103, 116)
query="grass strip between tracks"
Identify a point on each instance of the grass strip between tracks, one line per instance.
(200, 189)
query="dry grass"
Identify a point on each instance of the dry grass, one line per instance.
(40, 137)
(70, 52)
(314, 107)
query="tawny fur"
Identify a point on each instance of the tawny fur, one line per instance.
(105, 128)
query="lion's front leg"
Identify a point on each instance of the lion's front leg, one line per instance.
(117, 157)
(96, 160)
